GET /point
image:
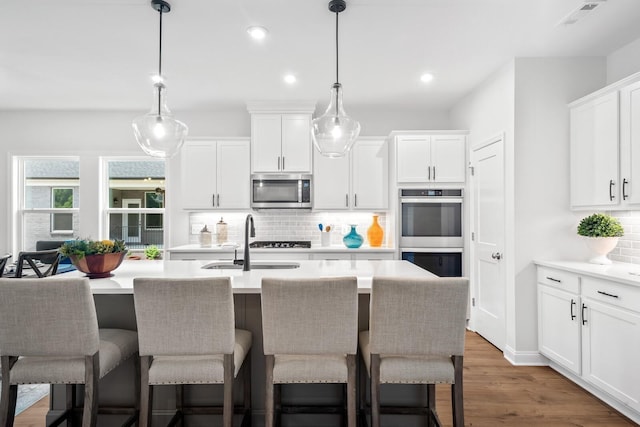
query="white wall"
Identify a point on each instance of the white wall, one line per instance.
(527, 100)
(623, 62)
(544, 225)
(108, 133)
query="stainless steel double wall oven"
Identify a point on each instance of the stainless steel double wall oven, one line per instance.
(431, 229)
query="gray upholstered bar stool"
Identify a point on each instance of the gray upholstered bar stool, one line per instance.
(49, 334)
(310, 334)
(416, 336)
(187, 334)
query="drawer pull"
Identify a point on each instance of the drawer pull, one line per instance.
(554, 280)
(584, 320)
(573, 316)
(608, 295)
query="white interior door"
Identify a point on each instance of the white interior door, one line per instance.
(132, 222)
(489, 282)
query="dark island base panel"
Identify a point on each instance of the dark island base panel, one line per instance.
(116, 389)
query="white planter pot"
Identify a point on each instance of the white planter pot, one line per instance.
(600, 247)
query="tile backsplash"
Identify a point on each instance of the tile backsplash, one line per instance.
(628, 249)
(288, 224)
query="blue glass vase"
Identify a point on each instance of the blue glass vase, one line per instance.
(353, 239)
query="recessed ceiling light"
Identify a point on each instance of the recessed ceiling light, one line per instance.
(257, 33)
(290, 79)
(426, 78)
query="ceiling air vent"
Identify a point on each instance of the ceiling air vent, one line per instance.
(580, 12)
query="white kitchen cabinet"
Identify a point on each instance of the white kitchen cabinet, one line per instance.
(280, 143)
(215, 174)
(605, 147)
(559, 318)
(611, 339)
(358, 181)
(425, 158)
(594, 152)
(590, 326)
(630, 146)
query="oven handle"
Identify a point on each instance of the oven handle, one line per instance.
(431, 200)
(432, 249)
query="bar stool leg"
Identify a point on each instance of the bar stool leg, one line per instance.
(375, 390)
(269, 401)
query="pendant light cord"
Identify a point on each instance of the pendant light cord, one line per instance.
(160, 64)
(337, 56)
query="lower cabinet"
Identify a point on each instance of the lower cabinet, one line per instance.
(591, 327)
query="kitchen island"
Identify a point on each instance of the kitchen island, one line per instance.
(114, 305)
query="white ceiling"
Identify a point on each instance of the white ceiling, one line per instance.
(99, 54)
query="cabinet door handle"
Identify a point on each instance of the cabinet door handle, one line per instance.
(434, 173)
(429, 169)
(213, 200)
(355, 200)
(584, 320)
(346, 200)
(554, 280)
(282, 162)
(496, 255)
(573, 316)
(624, 189)
(611, 184)
(608, 295)
(218, 203)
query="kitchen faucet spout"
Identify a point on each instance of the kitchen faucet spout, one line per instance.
(246, 266)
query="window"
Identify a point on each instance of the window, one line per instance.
(136, 201)
(153, 200)
(62, 198)
(47, 190)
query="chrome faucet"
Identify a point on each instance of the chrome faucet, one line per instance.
(247, 261)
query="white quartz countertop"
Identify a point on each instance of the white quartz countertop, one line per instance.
(618, 271)
(248, 282)
(313, 248)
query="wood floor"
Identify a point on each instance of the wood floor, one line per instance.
(495, 394)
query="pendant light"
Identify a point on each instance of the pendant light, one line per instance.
(334, 132)
(157, 132)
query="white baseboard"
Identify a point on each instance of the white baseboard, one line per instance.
(525, 358)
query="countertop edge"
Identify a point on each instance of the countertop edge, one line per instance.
(617, 271)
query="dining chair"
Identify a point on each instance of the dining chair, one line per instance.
(3, 263)
(49, 334)
(49, 260)
(416, 336)
(310, 335)
(187, 333)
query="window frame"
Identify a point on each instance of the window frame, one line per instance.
(52, 228)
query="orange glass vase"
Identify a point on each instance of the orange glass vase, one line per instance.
(375, 233)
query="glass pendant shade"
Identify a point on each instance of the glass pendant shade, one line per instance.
(334, 133)
(157, 132)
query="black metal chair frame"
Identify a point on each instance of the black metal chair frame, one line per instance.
(31, 257)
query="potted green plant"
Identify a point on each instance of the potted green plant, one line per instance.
(96, 258)
(602, 232)
(152, 252)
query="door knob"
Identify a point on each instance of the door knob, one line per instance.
(496, 255)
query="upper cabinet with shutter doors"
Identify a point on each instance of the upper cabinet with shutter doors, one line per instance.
(215, 174)
(605, 147)
(280, 138)
(430, 156)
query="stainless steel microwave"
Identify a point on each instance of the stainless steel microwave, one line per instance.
(281, 191)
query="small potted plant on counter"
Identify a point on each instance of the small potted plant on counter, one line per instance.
(96, 258)
(152, 252)
(602, 232)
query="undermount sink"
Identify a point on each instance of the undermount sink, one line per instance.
(256, 265)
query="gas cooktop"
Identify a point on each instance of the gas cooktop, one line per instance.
(280, 244)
